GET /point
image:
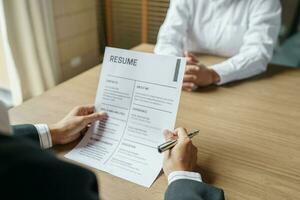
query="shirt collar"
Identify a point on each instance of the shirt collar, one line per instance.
(5, 128)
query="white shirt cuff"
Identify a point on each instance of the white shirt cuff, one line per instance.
(225, 71)
(44, 135)
(177, 175)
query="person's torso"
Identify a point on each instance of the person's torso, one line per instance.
(217, 26)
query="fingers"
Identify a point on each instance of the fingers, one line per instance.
(194, 58)
(83, 110)
(190, 61)
(167, 134)
(189, 78)
(89, 108)
(94, 117)
(182, 135)
(192, 69)
(190, 58)
(187, 86)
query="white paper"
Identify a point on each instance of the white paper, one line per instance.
(141, 98)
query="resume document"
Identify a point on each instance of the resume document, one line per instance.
(140, 92)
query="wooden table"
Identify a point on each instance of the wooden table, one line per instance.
(250, 132)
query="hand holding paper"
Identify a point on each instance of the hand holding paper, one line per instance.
(140, 93)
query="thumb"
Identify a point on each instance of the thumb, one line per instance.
(190, 55)
(94, 117)
(182, 134)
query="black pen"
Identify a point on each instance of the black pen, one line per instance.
(171, 143)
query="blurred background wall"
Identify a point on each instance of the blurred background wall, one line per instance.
(77, 34)
(131, 22)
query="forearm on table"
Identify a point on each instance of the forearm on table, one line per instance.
(240, 67)
(258, 43)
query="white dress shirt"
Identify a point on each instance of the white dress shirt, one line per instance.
(46, 142)
(244, 30)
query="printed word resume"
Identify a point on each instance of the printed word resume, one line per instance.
(140, 92)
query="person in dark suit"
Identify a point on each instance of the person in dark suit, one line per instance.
(29, 172)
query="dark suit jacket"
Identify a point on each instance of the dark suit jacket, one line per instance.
(27, 172)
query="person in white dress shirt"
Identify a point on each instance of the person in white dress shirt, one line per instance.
(245, 31)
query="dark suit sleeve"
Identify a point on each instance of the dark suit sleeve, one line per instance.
(26, 131)
(27, 172)
(185, 189)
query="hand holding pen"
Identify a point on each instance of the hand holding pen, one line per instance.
(183, 156)
(172, 142)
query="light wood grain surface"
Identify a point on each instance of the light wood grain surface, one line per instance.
(250, 133)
